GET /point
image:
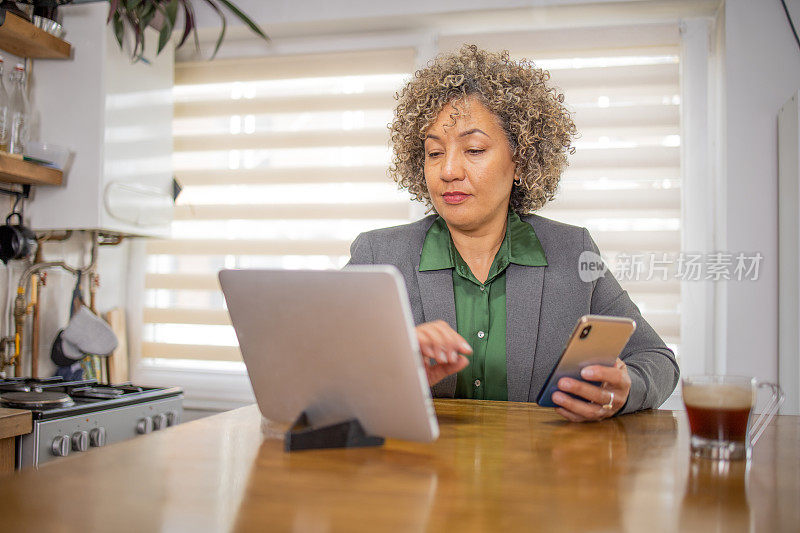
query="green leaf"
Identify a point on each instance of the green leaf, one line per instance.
(221, 37)
(146, 16)
(140, 13)
(172, 12)
(147, 11)
(112, 9)
(163, 37)
(166, 29)
(137, 33)
(188, 22)
(244, 18)
(119, 29)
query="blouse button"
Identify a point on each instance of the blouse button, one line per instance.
(483, 288)
(481, 334)
(477, 383)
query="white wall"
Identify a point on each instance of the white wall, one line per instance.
(762, 71)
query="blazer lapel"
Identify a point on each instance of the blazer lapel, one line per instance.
(438, 303)
(523, 304)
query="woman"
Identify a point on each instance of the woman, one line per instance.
(495, 291)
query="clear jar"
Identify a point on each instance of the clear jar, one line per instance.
(18, 112)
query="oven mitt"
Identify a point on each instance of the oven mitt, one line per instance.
(71, 351)
(89, 334)
(64, 353)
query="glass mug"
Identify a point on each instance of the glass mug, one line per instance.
(720, 409)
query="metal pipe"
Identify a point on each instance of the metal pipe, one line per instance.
(93, 252)
(49, 237)
(37, 267)
(37, 282)
(93, 308)
(93, 292)
(93, 273)
(110, 240)
(19, 330)
(92, 279)
(36, 297)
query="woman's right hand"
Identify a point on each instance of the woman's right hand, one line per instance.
(439, 342)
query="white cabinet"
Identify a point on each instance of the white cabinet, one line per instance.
(116, 118)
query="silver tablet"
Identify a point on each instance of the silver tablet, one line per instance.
(335, 344)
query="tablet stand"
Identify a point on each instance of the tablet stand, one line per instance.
(347, 434)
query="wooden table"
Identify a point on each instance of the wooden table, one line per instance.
(496, 467)
(13, 422)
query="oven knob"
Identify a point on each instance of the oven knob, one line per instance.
(97, 437)
(172, 418)
(80, 441)
(159, 421)
(144, 426)
(61, 445)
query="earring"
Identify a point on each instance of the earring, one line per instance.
(517, 181)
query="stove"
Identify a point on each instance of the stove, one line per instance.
(71, 417)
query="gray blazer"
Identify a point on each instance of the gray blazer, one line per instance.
(543, 305)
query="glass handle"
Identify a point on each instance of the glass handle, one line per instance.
(769, 412)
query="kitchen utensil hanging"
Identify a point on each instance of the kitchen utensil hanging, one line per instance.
(17, 241)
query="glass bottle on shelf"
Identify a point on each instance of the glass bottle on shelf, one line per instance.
(18, 111)
(5, 116)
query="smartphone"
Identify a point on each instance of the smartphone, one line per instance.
(596, 340)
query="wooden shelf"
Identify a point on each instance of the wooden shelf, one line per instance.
(23, 39)
(15, 170)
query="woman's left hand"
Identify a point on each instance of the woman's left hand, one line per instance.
(602, 401)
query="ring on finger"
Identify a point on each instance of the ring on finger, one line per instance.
(610, 405)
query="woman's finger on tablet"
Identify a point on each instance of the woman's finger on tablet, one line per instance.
(430, 342)
(444, 341)
(436, 373)
(454, 343)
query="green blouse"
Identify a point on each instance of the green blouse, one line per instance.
(481, 307)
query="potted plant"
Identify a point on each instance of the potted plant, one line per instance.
(134, 16)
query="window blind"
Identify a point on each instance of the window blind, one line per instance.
(624, 180)
(283, 161)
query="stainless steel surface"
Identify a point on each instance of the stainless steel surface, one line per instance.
(60, 446)
(144, 426)
(80, 441)
(159, 421)
(50, 438)
(97, 437)
(35, 399)
(100, 393)
(14, 387)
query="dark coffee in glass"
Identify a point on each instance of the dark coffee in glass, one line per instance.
(719, 410)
